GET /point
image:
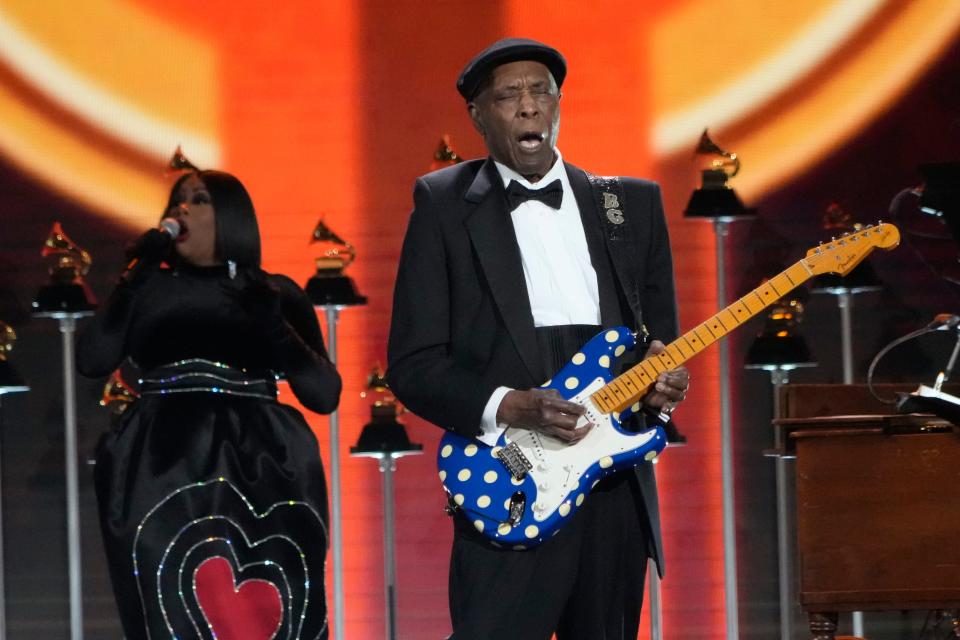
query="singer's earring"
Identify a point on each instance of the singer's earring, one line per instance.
(232, 268)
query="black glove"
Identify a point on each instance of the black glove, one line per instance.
(145, 254)
(259, 299)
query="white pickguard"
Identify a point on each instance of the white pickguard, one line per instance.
(558, 467)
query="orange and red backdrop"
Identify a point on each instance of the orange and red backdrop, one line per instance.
(333, 108)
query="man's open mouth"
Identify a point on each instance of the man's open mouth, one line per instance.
(531, 140)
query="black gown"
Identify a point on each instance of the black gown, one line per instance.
(211, 494)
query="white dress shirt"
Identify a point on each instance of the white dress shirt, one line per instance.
(561, 281)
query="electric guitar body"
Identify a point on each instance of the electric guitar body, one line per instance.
(540, 478)
(520, 492)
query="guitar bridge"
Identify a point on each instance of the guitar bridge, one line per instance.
(513, 459)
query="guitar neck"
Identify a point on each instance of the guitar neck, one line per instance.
(627, 388)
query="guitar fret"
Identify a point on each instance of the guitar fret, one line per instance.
(647, 366)
(640, 379)
(777, 286)
(757, 304)
(676, 353)
(715, 329)
(699, 332)
(680, 343)
(801, 272)
(728, 320)
(657, 362)
(739, 309)
(619, 394)
(629, 384)
(601, 397)
(767, 291)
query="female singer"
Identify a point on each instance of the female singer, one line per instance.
(211, 494)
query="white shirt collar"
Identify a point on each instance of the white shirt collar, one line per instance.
(557, 171)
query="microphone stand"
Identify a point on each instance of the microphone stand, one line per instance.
(944, 375)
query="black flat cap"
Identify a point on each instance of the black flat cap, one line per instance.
(504, 51)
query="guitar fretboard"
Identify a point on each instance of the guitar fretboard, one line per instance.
(627, 388)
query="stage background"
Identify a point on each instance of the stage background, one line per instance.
(332, 110)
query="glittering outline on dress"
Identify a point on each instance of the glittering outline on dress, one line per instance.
(258, 516)
(306, 573)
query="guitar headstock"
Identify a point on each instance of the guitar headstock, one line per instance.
(844, 253)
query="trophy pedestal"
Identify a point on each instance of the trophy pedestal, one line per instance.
(716, 202)
(68, 326)
(331, 293)
(705, 204)
(54, 299)
(386, 440)
(335, 289)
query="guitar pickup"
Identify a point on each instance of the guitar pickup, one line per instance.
(513, 459)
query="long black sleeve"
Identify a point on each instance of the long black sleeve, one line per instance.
(102, 345)
(421, 370)
(298, 347)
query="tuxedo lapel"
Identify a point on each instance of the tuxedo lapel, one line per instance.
(610, 313)
(493, 238)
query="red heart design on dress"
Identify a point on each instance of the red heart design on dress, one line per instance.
(248, 611)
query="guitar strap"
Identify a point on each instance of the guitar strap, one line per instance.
(610, 201)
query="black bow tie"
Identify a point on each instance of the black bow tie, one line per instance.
(551, 195)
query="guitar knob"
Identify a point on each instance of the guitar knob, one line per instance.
(543, 466)
(544, 486)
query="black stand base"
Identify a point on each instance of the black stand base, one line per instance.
(64, 298)
(333, 290)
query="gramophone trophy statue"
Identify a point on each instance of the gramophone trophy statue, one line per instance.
(117, 396)
(67, 292)
(716, 201)
(332, 290)
(67, 298)
(10, 380)
(180, 163)
(330, 286)
(444, 156)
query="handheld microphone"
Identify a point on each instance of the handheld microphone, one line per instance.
(170, 226)
(151, 246)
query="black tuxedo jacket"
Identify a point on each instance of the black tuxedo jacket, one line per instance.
(462, 323)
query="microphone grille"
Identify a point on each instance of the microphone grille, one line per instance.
(170, 226)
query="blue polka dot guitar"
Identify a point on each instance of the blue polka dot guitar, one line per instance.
(520, 492)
